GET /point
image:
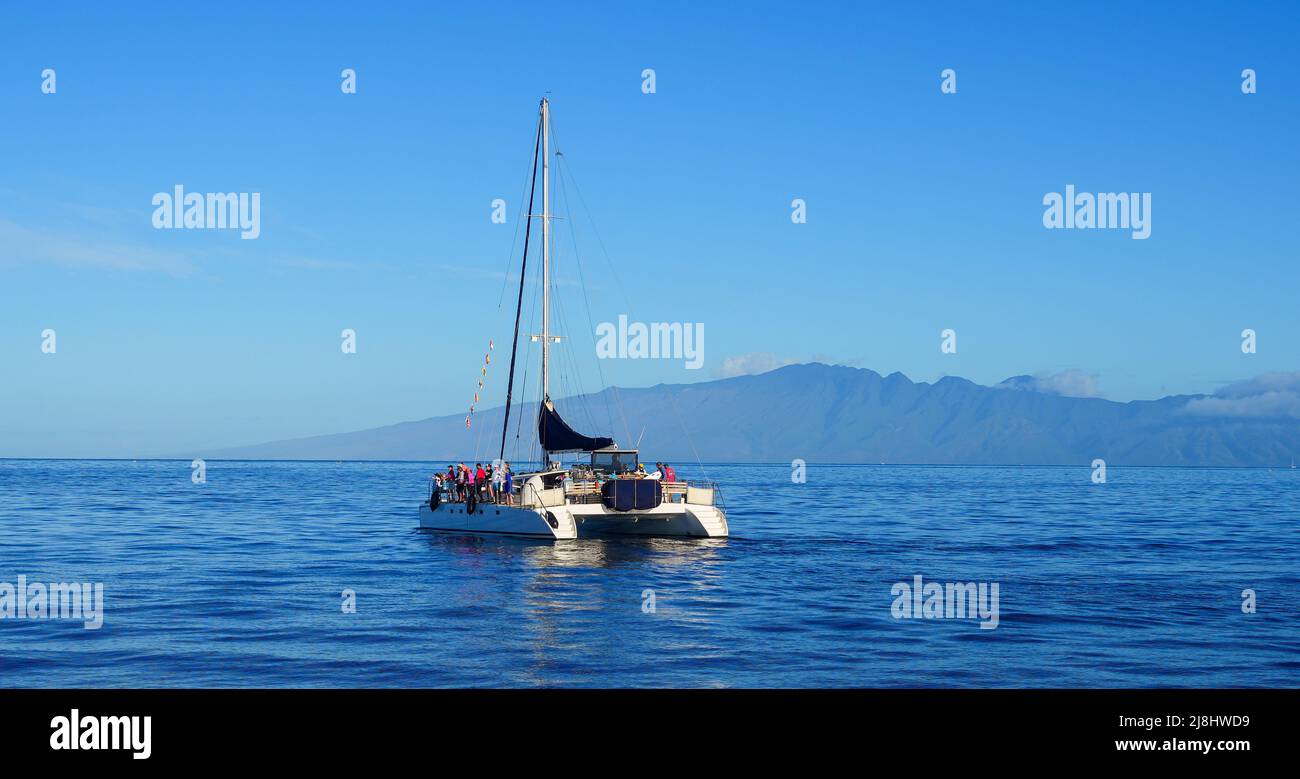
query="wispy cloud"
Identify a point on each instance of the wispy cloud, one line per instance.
(1268, 395)
(19, 245)
(312, 263)
(747, 364)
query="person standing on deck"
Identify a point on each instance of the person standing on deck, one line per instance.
(508, 482)
(669, 476)
(498, 479)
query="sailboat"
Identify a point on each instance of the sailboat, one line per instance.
(607, 494)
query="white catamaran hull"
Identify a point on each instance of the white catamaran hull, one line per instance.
(575, 521)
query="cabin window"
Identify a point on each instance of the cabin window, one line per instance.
(614, 462)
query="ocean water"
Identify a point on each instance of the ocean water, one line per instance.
(237, 582)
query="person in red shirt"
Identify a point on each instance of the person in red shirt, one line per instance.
(667, 475)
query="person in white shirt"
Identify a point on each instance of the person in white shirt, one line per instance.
(658, 472)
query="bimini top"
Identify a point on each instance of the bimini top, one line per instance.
(555, 435)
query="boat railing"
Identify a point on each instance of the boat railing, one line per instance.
(713, 487)
(525, 488)
(450, 492)
(588, 491)
(705, 492)
(547, 497)
(582, 491)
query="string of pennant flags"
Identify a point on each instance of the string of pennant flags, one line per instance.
(487, 360)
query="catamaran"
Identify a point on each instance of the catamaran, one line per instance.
(608, 493)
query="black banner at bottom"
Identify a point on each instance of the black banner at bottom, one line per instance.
(359, 727)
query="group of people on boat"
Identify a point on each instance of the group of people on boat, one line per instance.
(485, 484)
(662, 472)
(462, 484)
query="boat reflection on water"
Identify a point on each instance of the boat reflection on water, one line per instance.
(589, 552)
(547, 594)
(616, 552)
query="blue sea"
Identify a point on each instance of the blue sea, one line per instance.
(239, 581)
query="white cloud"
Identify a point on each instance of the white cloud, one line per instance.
(1268, 395)
(748, 364)
(1070, 383)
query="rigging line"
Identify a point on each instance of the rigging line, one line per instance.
(569, 362)
(565, 360)
(569, 376)
(580, 389)
(528, 362)
(574, 374)
(618, 399)
(514, 241)
(682, 422)
(578, 393)
(590, 219)
(478, 440)
(582, 280)
(614, 390)
(519, 305)
(478, 443)
(520, 405)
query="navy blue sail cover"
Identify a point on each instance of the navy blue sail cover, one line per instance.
(555, 435)
(631, 494)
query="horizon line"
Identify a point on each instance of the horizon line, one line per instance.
(782, 464)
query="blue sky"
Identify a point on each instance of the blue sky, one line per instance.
(924, 209)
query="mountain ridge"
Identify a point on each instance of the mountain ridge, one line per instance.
(850, 415)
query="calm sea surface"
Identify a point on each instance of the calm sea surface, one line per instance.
(238, 582)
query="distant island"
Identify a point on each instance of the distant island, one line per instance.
(825, 413)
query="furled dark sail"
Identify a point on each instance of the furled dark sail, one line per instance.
(555, 434)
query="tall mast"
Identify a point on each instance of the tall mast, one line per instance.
(519, 304)
(546, 249)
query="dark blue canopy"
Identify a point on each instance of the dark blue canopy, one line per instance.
(555, 434)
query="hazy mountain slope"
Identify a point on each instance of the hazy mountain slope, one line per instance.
(823, 413)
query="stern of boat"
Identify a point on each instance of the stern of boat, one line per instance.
(687, 511)
(712, 520)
